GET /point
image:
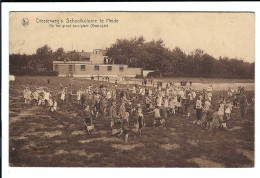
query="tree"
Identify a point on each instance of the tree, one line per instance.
(45, 56)
(59, 54)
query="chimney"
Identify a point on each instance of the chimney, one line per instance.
(82, 50)
(74, 50)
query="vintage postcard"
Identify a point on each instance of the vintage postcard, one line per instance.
(132, 89)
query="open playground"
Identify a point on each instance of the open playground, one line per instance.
(40, 138)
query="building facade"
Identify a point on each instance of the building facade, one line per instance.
(97, 64)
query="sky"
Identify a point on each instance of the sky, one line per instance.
(218, 34)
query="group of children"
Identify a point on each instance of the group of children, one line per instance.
(40, 97)
(126, 107)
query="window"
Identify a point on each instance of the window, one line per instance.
(82, 67)
(96, 67)
(121, 68)
(56, 67)
(109, 67)
(70, 68)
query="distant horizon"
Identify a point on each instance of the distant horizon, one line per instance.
(90, 51)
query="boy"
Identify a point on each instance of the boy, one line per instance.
(89, 126)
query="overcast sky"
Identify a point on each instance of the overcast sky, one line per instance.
(218, 34)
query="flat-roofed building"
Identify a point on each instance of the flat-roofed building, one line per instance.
(98, 64)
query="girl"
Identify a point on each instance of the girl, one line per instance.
(40, 100)
(113, 116)
(228, 109)
(54, 108)
(172, 106)
(25, 95)
(36, 96)
(189, 106)
(221, 111)
(230, 93)
(122, 111)
(207, 104)
(166, 103)
(46, 97)
(78, 97)
(62, 97)
(50, 104)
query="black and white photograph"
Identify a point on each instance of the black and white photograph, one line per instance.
(132, 89)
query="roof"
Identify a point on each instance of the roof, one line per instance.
(84, 54)
(87, 63)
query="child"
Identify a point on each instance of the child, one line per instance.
(46, 97)
(235, 101)
(207, 104)
(133, 105)
(221, 111)
(116, 84)
(25, 92)
(189, 107)
(166, 103)
(164, 116)
(113, 115)
(40, 100)
(138, 123)
(179, 105)
(36, 97)
(89, 126)
(54, 107)
(122, 111)
(230, 93)
(97, 108)
(103, 106)
(228, 109)
(147, 102)
(50, 104)
(125, 127)
(78, 97)
(70, 94)
(157, 115)
(209, 118)
(62, 97)
(198, 108)
(172, 106)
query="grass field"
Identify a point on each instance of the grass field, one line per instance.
(40, 138)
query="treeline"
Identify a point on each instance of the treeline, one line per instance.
(153, 55)
(136, 52)
(39, 63)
